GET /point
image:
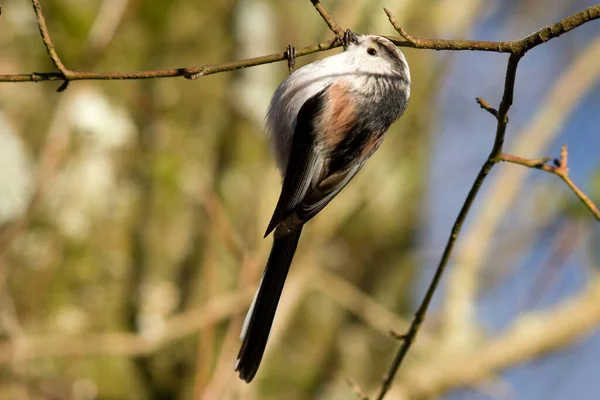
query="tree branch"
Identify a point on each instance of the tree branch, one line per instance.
(518, 46)
(41, 22)
(493, 159)
(487, 107)
(533, 138)
(515, 46)
(357, 390)
(335, 28)
(534, 335)
(561, 170)
(517, 50)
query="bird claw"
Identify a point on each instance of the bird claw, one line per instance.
(290, 54)
(349, 37)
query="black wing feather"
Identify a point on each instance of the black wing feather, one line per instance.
(325, 191)
(313, 178)
(305, 163)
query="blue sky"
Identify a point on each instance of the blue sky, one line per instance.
(463, 141)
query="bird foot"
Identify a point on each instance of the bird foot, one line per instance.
(290, 54)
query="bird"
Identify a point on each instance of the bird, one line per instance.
(324, 121)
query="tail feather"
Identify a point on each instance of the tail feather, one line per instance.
(259, 319)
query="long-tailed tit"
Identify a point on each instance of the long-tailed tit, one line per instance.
(325, 121)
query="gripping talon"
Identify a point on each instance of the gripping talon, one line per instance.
(349, 38)
(290, 54)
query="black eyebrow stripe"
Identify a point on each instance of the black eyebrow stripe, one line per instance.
(385, 46)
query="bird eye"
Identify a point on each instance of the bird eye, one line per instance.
(371, 51)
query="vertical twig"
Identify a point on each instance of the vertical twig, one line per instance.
(335, 28)
(41, 22)
(493, 158)
(561, 170)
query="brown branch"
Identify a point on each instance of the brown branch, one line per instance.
(492, 159)
(360, 394)
(532, 336)
(487, 107)
(495, 156)
(41, 22)
(360, 304)
(561, 170)
(190, 73)
(400, 29)
(562, 97)
(512, 47)
(516, 49)
(515, 46)
(335, 28)
(51, 156)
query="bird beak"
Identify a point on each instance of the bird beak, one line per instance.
(349, 37)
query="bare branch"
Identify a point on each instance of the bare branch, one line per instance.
(493, 159)
(487, 107)
(41, 22)
(516, 49)
(533, 138)
(534, 335)
(360, 394)
(360, 304)
(190, 73)
(400, 29)
(562, 171)
(335, 28)
(518, 46)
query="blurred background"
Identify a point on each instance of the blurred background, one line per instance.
(132, 212)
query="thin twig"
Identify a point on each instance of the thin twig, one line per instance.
(516, 49)
(360, 394)
(189, 73)
(517, 46)
(400, 29)
(41, 22)
(572, 85)
(562, 171)
(495, 156)
(335, 28)
(359, 303)
(534, 335)
(493, 159)
(487, 107)
(397, 335)
(53, 152)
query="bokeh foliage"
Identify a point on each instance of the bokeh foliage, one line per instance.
(148, 199)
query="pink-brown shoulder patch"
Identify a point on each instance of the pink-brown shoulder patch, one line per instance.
(338, 115)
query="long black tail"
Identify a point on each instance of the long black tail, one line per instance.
(262, 311)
